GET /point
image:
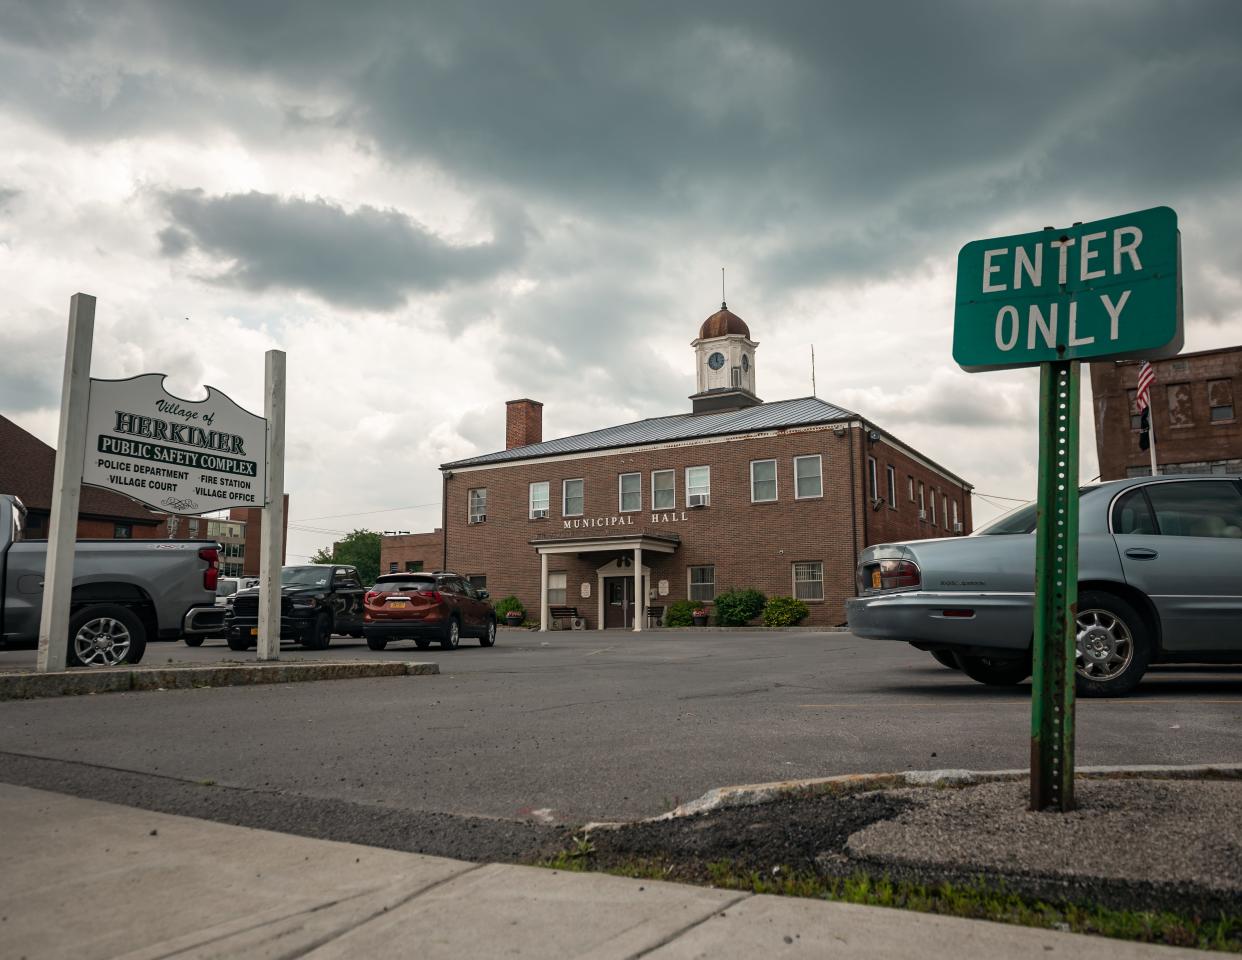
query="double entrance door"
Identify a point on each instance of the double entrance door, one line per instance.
(619, 602)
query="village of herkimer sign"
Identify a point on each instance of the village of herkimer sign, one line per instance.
(1107, 289)
(178, 456)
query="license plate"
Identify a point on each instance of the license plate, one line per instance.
(399, 605)
(875, 579)
(254, 631)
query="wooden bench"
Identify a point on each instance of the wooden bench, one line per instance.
(557, 614)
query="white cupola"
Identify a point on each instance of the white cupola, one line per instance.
(724, 364)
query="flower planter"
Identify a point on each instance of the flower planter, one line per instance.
(700, 621)
(513, 618)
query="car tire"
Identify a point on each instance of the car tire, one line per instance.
(422, 644)
(194, 641)
(1114, 646)
(105, 636)
(945, 658)
(995, 671)
(452, 635)
(489, 635)
(238, 643)
(377, 643)
(320, 634)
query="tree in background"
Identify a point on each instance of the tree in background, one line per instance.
(359, 549)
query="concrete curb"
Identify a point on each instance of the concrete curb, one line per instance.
(750, 794)
(30, 685)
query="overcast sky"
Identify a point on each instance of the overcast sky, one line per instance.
(435, 208)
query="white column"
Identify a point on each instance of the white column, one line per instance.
(640, 595)
(599, 593)
(62, 533)
(273, 522)
(543, 593)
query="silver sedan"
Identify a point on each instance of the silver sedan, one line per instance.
(1160, 581)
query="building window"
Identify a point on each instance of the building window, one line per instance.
(539, 499)
(933, 506)
(703, 583)
(193, 528)
(630, 491)
(478, 581)
(478, 505)
(573, 497)
(1136, 418)
(956, 521)
(122, 531)
(922, 503)
(809, 580)
(873, 480)
(808, 477)
(1181, 409)
(698, 486)
(890, 475)
(392, 566)
(556, 589)
(663, 489)
(945, 512)
(910, 487)
(1220, 400)
(413, 566)
(173, 524)
(762, 481)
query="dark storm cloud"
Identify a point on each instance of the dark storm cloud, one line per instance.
(28, 369)
(368, 258)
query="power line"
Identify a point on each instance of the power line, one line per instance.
(997, 496)
(366, 513)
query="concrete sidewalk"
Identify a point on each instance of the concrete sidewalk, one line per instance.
(88, 879)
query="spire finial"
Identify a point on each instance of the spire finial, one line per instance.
(723, 305)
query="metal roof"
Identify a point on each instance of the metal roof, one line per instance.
(800, 412)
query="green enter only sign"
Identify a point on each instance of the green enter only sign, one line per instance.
(1111, 288)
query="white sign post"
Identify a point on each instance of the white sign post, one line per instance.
(62, 531)
(274, 510)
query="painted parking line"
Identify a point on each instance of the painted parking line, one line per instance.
(1183, 701)
(601, 650)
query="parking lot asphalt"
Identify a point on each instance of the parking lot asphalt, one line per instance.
(564, 728)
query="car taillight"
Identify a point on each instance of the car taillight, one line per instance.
(371, 596)
(432, 595)
(898, 574)
(211, 576)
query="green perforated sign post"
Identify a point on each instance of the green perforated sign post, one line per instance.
(1104, 290)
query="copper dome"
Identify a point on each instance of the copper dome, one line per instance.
(722, 323)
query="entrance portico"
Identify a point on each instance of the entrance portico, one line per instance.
(626, 552)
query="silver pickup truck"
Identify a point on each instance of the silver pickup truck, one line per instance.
(1159, 581)
(125, 592)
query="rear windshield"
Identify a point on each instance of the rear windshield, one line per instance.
(226, 588)
(1021, 520)
(409, 585)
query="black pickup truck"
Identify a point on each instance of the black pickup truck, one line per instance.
(316, 601)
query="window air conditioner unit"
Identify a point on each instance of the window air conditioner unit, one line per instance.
(478, 519)
(922, 514)
(699, 499)
(578, 623)
(538, 514)
(957, 527)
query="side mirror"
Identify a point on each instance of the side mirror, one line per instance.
(483, 594)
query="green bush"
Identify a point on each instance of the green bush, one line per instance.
(734, 608)
(784, 612)
(507, 604)
(680, 614)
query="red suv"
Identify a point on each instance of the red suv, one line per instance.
(426, 606)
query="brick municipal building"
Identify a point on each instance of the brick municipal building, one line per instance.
(620, 522)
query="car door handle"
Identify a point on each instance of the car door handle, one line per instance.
(1141, 553)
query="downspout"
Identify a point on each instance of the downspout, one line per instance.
(865, 476)
(444, 479)
(853, 515)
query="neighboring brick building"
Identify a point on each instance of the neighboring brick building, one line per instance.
(1193, 415)
(738, 493)
(27, 470)
(412, 552)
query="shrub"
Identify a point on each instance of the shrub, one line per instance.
(734, 608)
(680, 613)
(507, 604)
(784, 612)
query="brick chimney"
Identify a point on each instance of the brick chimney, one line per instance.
(523, 423)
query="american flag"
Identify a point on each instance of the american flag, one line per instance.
(1146, 377)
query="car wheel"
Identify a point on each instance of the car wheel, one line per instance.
(1113, 646)
(320, 634)
(238, 643)
(422, 644)
(452, 636)
(194, 641)
(945, 658)
(377, 643)
(105, 636)
(995, 671)
(489, 636)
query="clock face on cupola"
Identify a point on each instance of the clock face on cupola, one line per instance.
(725, 354)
